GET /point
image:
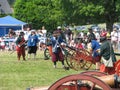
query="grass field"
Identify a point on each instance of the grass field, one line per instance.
(19, 75)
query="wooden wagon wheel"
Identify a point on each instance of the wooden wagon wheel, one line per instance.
(85, 58)
(94, 73)
(73, 61)
(79, 59)
(69, 61)
(46, 53)
(78, 80)
(69, 57)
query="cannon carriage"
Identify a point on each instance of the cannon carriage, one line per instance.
(90, 80)
(78, 59)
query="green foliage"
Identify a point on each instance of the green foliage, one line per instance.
(39, 13)
(51, 13)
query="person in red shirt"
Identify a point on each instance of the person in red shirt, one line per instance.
(80, 45)
(103, 33)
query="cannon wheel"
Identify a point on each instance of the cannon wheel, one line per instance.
(94, 73)
(79, 59)
(69, 59)
(80, 77)
(88, 61)
(46, 53)
(73, 62)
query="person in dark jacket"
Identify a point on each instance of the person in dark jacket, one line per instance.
(106, 50)
(20, 46)
(91, 34)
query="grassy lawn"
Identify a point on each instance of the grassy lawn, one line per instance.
(19, 75)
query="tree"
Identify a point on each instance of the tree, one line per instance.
(107, 10)
(51, 13)
(39, 12)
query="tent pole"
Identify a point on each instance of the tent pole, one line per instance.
(22, 28)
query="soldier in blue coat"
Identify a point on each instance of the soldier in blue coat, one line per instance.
(57, 54)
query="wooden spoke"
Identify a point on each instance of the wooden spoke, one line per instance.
(78, 82)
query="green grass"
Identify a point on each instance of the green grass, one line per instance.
(19, 75)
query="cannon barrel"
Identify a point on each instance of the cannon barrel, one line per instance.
(111, 80)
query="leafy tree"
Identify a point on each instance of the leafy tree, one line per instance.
(51, 13)
(107, 10)
(39, 12)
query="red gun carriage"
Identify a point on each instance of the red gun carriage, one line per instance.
(90, 80)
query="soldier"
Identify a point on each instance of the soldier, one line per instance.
(57, 54)
(20, 46)
(106, 51)
(32, 44)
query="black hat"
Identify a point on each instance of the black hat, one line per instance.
(21, 33)
(103, 39)
(90, 29)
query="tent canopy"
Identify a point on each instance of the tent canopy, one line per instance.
(8, 22)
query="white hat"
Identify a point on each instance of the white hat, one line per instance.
(59, 27)
(95, 30)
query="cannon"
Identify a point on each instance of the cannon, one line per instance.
(78, 59)
(75, 58)
(90, 80)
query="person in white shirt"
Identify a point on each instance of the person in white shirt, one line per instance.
(27, 33)
(114, 38)
(44, 31)
(118, 40)
(97, 35)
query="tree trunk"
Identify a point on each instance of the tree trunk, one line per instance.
(110, 14)
(109, 25)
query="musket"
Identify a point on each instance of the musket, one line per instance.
(19, 46)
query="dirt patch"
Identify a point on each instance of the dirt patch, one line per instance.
(39, 88)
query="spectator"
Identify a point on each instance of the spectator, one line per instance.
(11, 33)
(80, 44)
(44, 31)
(75, 33)
(91, 34)
(2, 44)
(61, 33)
(103, 33)
(119, 40)
(68, 34)
(72, 43)
(27, 33)
(97, 35)
(114, 38)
